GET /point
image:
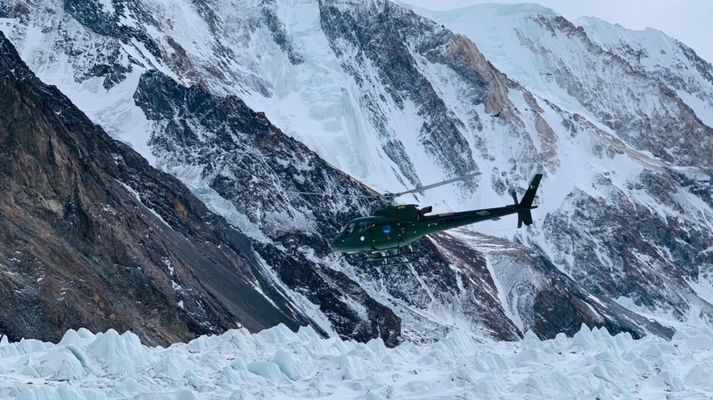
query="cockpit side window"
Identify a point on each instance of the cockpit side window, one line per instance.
(366, 226)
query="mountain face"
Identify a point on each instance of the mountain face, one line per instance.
(240, 156)
(641, 234)
(93, 236)
(249, 102)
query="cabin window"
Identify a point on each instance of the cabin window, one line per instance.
(366, 227)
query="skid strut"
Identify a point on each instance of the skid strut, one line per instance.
(385, 258)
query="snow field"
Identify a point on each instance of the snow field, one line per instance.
(280, 364)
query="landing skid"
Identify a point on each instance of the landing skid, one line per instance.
(384, 258)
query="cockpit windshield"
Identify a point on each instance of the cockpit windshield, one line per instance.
(359, 226)
(349, 229)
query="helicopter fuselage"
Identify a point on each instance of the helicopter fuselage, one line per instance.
(397, 226)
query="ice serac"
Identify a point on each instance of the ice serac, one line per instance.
(397, 99)
(280, 364)
(95, 237)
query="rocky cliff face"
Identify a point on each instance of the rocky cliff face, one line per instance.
(396, 99)
(93, 236)
(234, 153)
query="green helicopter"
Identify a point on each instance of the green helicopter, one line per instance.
(396, 226)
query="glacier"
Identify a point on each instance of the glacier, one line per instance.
(278, 363)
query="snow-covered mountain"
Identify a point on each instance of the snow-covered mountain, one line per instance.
(643, 195)
(248, 102)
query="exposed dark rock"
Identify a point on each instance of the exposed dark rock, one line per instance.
(278, 32)
(260, 170)
(379, 34)
(632, 236)
(94, 237)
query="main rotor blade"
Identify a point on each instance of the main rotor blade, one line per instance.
(312, 193)
(435, 185)
(371, 196)
(391, 196)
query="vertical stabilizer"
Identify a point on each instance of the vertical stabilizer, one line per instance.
(523, 215)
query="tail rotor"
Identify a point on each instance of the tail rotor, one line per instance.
(513, 193)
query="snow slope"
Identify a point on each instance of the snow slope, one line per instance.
(652, 50)
(280, 364)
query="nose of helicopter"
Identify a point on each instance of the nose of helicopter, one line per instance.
(337, 243)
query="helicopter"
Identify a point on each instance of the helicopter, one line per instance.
(396, 226)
